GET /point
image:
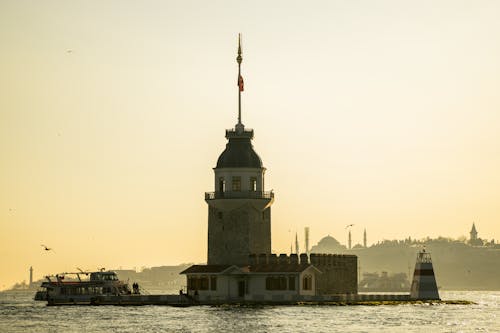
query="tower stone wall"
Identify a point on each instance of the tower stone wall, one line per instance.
(236, 233)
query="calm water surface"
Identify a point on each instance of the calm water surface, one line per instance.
(19, 313)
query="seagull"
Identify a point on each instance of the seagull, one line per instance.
(349, 225)
(46, 248)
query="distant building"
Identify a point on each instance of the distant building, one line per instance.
(328, 244)
(474, 240)
(384, 282)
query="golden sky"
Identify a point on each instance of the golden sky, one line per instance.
(385, 114)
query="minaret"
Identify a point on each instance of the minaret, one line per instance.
(349, 243)
(239, 209)
(364, 239)
(306, 236)
(31, 276)
(297, 250)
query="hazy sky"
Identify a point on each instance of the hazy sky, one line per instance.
(385, 114)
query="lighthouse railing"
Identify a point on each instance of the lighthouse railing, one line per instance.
(239, 195)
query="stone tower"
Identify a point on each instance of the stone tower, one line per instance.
(239, 209)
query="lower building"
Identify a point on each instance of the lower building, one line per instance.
(274, 278)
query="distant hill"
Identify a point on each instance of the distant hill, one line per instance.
(162, 278)
(458, 266)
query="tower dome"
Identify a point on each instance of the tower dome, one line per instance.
(239, 152)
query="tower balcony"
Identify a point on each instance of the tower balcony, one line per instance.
(269, 195)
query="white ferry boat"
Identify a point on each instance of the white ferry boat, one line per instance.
(81, 288)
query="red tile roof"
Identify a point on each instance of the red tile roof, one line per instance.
(258, 268)
(278, 268)
(205, 269)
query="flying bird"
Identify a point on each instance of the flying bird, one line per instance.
(349, 225)
(46, 248)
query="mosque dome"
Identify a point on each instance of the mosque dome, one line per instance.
(328, 244)
(239, 153)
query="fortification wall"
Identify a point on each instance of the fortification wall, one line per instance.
(339, 272)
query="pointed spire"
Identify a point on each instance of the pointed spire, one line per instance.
(239, 59)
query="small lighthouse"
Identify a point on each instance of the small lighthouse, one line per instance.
(424, 286)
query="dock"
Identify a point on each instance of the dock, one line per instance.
(332, 300)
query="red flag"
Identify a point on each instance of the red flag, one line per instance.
(240, 83)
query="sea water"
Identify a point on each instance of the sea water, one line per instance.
(19, 313)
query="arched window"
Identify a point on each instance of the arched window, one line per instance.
(222, 185)
(253, 184)
(307, 282)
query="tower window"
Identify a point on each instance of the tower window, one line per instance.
(253, 184)
(222, 185)
(219, 215)
(236, 184)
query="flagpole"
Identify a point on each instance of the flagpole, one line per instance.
(239, 59)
